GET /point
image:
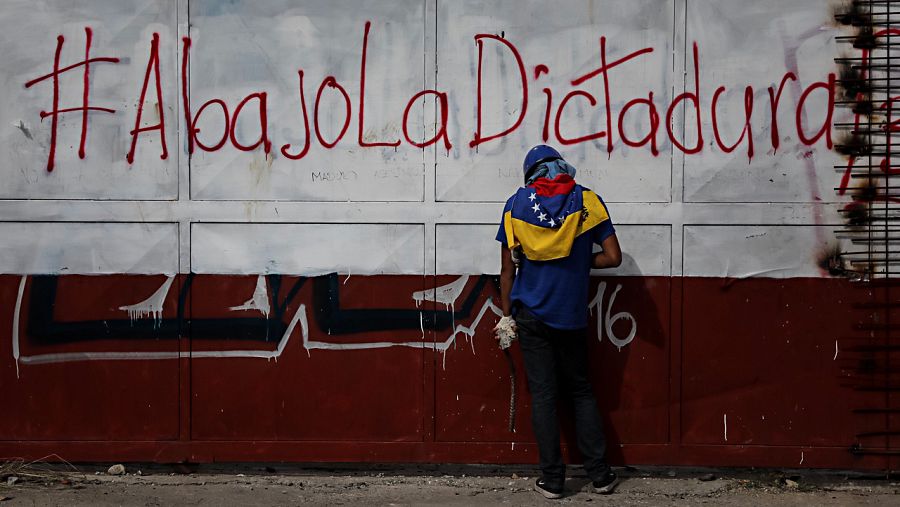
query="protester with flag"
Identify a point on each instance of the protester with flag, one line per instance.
(548, 232)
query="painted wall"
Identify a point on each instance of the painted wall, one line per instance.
(265, 230)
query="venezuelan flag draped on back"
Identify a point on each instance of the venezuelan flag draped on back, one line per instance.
(547, 216)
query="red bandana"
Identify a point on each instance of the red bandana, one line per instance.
(561, 185)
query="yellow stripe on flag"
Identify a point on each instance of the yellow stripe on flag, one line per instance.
(545, 243)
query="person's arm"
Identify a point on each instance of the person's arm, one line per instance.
(507, 275)
(610, 257)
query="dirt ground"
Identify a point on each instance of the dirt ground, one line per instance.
(276, 484)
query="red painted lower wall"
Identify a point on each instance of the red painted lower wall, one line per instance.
(721, 372)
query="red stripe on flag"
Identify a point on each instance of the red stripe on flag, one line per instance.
(561, 185)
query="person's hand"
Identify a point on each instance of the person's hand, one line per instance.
(505, 332)
(517, 255)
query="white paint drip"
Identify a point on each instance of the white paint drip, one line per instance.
(422, 325)
(801, 457)
(725, 421)
(446, 294)
(453, 319)
(452, 309)
(259, 300)
(152, 306)
(15, 324)
(835, 350)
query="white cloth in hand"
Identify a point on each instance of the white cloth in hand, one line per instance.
(505, 331)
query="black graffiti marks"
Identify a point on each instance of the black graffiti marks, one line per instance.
(332, 319)
(43, 327)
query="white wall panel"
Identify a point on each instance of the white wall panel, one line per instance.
(247, 47)
(121, 29)
(88, 248)
(467, 249)
(756, 44)
(308, 249)
(770, 251)
(565, 37)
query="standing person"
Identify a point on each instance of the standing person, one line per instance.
(548, 231)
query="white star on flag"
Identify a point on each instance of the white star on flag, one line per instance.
(536, 207)
(542, 217)
(552, 223)
(532, 197)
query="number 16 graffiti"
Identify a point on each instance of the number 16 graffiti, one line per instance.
(606, 322)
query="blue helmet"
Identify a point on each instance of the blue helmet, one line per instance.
(538, 154)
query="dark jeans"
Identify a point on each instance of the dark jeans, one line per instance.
(556, 364)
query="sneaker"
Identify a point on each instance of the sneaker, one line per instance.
(544, 488)
(606, 484)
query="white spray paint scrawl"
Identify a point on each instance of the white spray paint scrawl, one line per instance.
(605, 322)
(259, 301)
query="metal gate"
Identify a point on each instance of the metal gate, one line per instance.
(868, 85)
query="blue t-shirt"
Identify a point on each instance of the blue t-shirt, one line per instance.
(556, 291)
